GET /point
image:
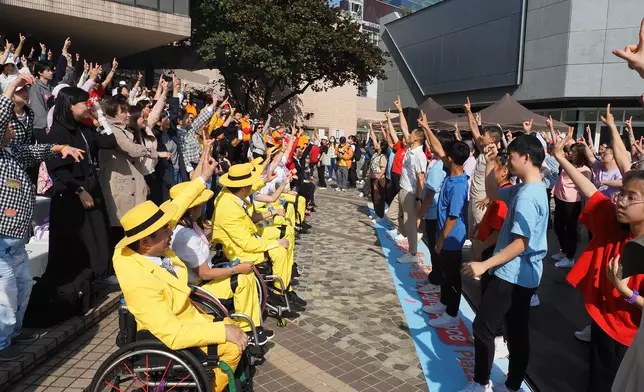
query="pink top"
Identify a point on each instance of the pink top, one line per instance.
(565, 189)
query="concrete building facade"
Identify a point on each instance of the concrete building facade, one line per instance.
(554, 56)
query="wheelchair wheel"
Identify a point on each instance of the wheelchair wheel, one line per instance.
(209, 306)
(148, 366)
(262, 290)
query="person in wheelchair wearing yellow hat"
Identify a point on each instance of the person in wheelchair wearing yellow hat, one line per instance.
(235, 230)
(190, 244)
(155, 282)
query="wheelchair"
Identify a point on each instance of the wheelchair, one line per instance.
(143, 361)
(263, 275)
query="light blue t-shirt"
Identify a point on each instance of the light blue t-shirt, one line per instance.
(433, 181)
(527, 217)
(390, 161)
(452, 201)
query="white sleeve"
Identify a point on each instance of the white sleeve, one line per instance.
(189, 247)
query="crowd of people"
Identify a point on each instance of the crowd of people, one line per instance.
(493, 188)
(145, 186)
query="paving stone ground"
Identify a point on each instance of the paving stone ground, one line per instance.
(352, 337)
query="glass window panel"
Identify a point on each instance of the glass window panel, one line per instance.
(638, 115)
(588, 115)
(556, 114)
(638, 132)
(166, 6)
(569, 115)
(152, 4)
(182, 7)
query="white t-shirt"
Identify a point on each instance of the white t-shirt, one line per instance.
(477, 185)
(414, 162)
(191, 249)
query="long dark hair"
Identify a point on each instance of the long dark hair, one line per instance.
(63, 109)
(133, 126)
(579, 159)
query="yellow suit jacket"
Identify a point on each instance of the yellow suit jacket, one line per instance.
(160, 302)
(234, 229)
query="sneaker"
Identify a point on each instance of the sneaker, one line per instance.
(584, 334)
(467, 244)
(361, 195)
(503, 388)
(26, 338)
(321, 187)
(421, 282)
(429, 288)
(420, 237)
(445, 321)
(336, 189)
(294, 298)
(11, 353)
(407, 258)
(437, 308)
(266, 332)
(565, 263)
(500, 348)
(476, 387)
(400, 238)
(558, 256)
(261, 339)
(534, 301)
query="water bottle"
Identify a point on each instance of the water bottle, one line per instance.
(122, 337)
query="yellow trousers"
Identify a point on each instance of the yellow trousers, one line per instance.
(228, 353)
(245, 297)
(301, 207)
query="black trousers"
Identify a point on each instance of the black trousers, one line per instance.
(500, 300)
(321, 180)
(485, 281)
(449, 262)
(436, 274)
(566, 217)
(394, 187)
(353, 174)
(377, 188)
(606, 355)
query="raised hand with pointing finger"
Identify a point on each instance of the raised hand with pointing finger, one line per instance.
(634, 54)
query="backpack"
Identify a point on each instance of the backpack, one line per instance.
(50, 304)
(357, 154)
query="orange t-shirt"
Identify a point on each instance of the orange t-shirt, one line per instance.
(619, 319)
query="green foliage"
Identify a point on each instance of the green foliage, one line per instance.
(269, 51)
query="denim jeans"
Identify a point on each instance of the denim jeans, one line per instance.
(343, 177)
(15, 287)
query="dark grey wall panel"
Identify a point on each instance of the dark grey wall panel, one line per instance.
(460, 45)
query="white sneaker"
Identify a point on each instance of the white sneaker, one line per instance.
(467, 244)
(361, 195)
(565, 263)
(503, 388)
(584, 334)
(476, 387)
(408, 258)
(321, 187)
(500, 348)
(534, 301)
(437, 308)
(421, 282)
(445, 321)
(429, 288)
(558, 256)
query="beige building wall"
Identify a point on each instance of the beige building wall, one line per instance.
(367, 109)
(335, 109)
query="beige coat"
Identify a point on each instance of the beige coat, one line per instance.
(121, 174)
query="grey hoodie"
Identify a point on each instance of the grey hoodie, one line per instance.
(38, 96)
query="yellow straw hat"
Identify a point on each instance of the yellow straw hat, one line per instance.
(240, 175)
(257, 161)
(205, 195)
(143, 220)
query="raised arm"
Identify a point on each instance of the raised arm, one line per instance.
(491, 185)
(403, 121)
(622, 157)
(155, 113)
(474, 127)
(110, 75)
(18, 51)
(390, 127)
(376, 143)
(435, 144)
(629, 128)
(585, 186)
(589, 138)
(457, 133)
(634, 54)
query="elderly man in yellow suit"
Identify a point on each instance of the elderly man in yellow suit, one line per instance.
(234, 229)
(155, 282)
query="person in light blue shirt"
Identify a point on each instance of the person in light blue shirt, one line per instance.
(515, 269)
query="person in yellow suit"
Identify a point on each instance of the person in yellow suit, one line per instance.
(155, 282)
(234, 229)
(190, 244)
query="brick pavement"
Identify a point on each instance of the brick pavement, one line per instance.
(352, 337)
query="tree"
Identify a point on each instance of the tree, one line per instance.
(270, 51)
